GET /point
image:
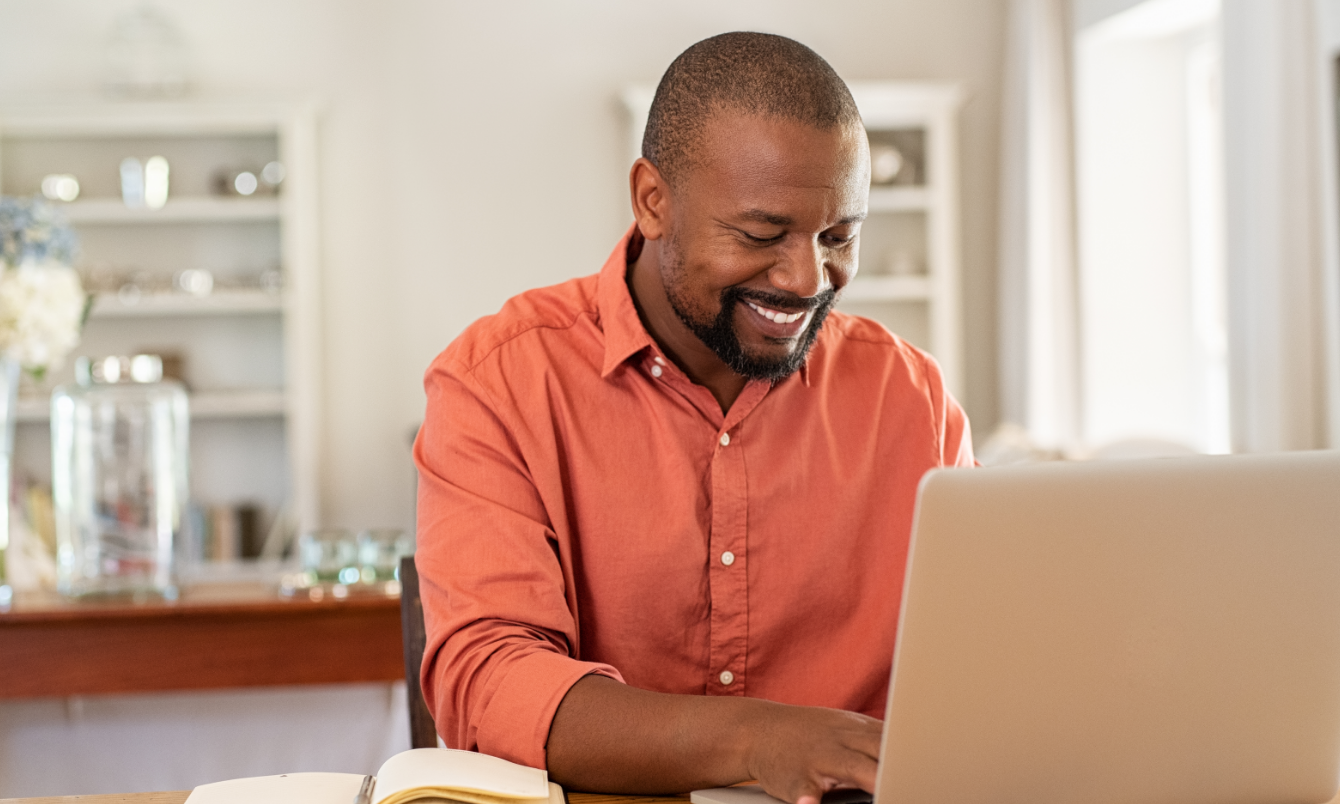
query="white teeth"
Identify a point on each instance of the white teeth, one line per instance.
(773, 315)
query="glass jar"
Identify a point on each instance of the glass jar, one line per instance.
(120, 446)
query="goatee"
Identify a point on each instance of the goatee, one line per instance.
(719, 334)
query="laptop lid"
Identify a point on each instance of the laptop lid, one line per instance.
(1142, 632)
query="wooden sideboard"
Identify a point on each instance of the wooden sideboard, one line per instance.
(211, 637)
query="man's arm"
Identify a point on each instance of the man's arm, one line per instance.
(613, 738)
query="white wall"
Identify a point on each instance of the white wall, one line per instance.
(109, 744)
(472, 150)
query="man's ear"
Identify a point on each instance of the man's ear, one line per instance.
(651, 199)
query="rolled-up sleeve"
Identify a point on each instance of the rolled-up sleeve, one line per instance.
(501, 628)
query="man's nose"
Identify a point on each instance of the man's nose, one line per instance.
(801, 270)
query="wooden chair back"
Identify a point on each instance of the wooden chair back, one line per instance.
(422, 732)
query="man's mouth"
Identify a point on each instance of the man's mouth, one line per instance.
(762, 336)
(776, 315)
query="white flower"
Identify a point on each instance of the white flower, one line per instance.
(41, 309)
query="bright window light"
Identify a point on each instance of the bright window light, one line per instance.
(1149, 161)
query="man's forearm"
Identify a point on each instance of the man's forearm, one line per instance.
(610, 738)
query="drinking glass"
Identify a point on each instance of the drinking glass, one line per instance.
(329, 555)
(380, 551)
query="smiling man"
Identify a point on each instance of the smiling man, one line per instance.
(664, 509)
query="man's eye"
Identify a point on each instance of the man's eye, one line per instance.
(840, 240)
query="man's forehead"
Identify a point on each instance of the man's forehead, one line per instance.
(759, 164)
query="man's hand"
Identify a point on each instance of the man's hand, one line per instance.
(801, 752)
(611, 738)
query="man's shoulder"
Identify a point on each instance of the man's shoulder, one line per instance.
(854, 337)
(534, 313)
(862, 354)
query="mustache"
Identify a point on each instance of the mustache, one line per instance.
(782, 302)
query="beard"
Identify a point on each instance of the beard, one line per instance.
(718, 333)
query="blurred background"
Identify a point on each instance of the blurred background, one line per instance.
(1114, 222)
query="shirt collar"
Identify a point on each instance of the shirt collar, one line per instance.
(625, 335)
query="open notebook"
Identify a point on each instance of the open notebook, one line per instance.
(418, 775)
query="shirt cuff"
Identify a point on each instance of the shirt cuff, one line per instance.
(515, 725)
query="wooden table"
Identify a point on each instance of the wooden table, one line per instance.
(179, 797)
(216, 636)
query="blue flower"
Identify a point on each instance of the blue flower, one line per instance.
(32, 229)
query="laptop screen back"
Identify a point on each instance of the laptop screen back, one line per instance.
(1142, 632)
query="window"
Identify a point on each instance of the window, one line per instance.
(1150, 211)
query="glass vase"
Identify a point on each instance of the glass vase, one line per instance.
(119, 440)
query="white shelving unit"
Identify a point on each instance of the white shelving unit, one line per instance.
(251, 356)
(177, 210)
(205, 405)
(220, 302)
(900, 199)
(889, 289)
(913, 222)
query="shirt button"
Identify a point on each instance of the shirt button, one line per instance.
(725, 439)
(660, 360)
(728, 558)
(655, 371)
(727, 678)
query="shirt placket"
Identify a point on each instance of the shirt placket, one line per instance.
(728, 552)
(728, 546)
(728, 564)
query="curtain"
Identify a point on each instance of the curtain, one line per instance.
(1282, 301)
(1039, 335)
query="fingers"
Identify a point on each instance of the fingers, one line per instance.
(860, 772)
(867, 739)
(808, 751)
(809, 793)
(863, 772)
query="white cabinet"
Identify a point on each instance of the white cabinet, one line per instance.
(249, 350)
(909, 259)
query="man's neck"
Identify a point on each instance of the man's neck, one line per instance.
(701, 364)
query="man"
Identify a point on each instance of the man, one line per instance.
(665, 509)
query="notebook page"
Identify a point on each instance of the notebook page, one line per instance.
(456, 797)
(446, 769)
(290, 788)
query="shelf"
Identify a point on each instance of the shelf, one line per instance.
(204, 209)
(223, 302)
(888, 288)
(899, 199)
(237, 404)
(205, 405)
(99, 117)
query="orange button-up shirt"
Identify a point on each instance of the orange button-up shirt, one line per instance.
(586, 508)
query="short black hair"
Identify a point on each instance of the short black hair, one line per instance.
(754, 73)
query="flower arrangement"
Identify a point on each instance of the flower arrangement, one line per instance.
(42, 304)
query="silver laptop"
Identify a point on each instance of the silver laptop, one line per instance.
(1125, 632)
